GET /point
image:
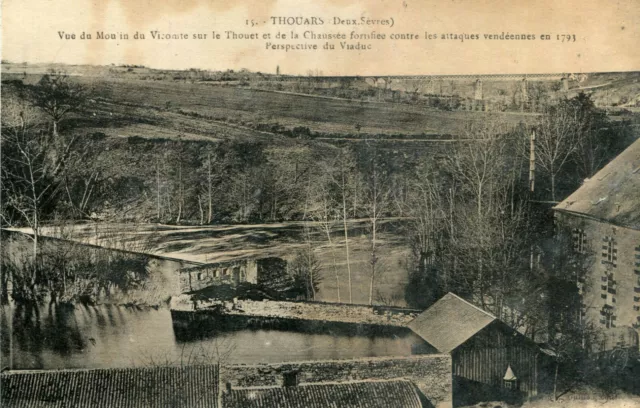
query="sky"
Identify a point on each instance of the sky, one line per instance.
(607, 35)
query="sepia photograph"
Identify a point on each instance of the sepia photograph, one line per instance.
(283, 235)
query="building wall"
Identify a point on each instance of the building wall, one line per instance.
(485, 357)
(234, 272)
(431, 374)
(611, 292)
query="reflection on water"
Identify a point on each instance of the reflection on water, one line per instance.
(114, 336)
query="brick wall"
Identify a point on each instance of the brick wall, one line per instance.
(431, 374)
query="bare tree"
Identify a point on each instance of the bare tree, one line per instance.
(209, 189)
(306, 267)
(598, 138)
(345, 172)
(325, 215)
(376, 205)
(32, 166)
(427, 212)
(486, 226)
(478, 164)
(57, 95)
(557, 140)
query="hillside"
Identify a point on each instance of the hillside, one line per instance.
(125, 105)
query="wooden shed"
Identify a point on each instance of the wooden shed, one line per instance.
(490, 359)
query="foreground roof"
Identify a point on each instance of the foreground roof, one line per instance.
(612, 194)
(450, 322)
(374, 394)
(195, 386)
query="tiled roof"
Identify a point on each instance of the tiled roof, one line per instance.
(378, 394)
(613, 193)
(194, 386)
(450, 322)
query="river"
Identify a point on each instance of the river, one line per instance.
(116, 336)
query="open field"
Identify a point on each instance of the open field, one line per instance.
(125, 105)
(198, 110)
(201, 245)
(319, 114)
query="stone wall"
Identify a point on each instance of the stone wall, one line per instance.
(431, 374)
(329, 312)
(611, 284)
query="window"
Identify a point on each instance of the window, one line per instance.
(291, 379)
(611, 284)
(609, 251)
(199, 275)
(607, 316)
(579, 240)
(225, 271)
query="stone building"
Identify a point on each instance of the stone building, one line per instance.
(603, 218)
(232, 272)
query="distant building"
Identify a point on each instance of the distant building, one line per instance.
(490, 359)
(231, 272)
(603, 217)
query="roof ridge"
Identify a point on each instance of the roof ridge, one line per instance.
(363, 381)
(472, 305)
(110, 369)
(340, 360)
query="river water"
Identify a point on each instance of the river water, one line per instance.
(116, 336)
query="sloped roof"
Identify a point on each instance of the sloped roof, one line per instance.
(378, 394)
(613, 193)
(450, 322)
(195, 386)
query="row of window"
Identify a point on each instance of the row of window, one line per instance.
(609, 251)
(216, 273)
(609, 257)
(636, 289)
(637, 262)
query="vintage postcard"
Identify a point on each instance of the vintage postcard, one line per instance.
(309, 204)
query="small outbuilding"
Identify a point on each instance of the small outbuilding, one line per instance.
(490, 359)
